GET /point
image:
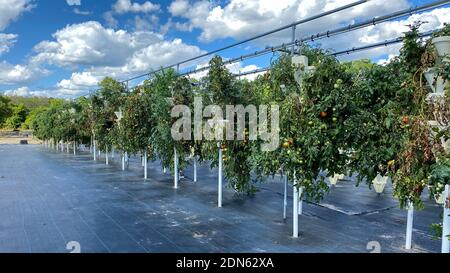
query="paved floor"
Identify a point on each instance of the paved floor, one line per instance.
(48, 199)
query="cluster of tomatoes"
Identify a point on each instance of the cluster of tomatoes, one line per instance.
(224, 148)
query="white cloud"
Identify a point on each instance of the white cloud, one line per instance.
(19, 74)
(79, 80)
(81, 12)
(184, 26)
(99, 52)
(149, 58)
(90, 43)
(242, 18)
(73, 2)
(146, 22)
(179, 7)
(25, 91)
(110, 20)
(21, 91)
(10, 10)
(7, 41)
(435, 19)
(386, 60)
(96, 52)
(125, 6)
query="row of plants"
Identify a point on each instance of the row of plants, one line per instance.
(355, 118)
(19, 112)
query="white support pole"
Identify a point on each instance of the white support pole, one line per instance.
(195, 168)
(91, 145)
(142, 160)
(74, 148)
(445, 248)
(68, 147)
(409, 226)
(175, 171)
(219, 195)
(94, 150)
(107, 156)
(300, 201)
(164, 170)
(285, 197)
(145, 165)
(295, 197)
(295, 209)
(123, 161)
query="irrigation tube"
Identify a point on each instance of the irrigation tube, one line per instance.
(255, 37)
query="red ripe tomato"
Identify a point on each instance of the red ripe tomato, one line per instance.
(405, 120)
(323, 114)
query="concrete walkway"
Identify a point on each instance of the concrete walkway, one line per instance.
(48, 199)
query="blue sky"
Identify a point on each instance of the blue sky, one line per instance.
(64, 47)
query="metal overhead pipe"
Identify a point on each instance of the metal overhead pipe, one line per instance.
(374, 21)
(380, 44)
(327, 34)
(347, 51)
(256, 37)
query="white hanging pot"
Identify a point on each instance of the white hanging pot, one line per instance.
(442, 45)
(335, 178)
(301, 62)
(437, 84)
(439, 199)
(446, 145)
(440, 85)
(429, 76)
(379, 183)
